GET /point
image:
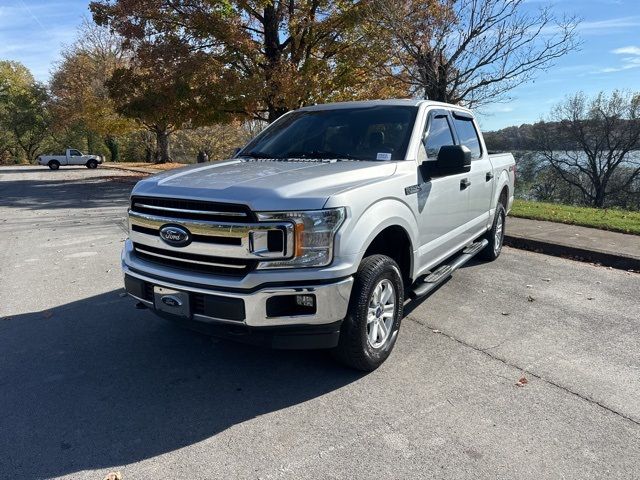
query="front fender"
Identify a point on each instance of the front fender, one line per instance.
(382, 214)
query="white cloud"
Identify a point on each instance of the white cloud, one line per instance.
(628, 62)
(609, 26)
(630, 50)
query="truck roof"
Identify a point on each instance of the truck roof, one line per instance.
(408, 102)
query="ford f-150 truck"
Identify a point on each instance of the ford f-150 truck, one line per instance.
(71, 157)
(314, 234)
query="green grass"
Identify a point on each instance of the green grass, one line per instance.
(616, 220)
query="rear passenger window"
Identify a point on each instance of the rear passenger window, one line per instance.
(468, 136)
(439, 134)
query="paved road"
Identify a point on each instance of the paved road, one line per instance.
(89, 385)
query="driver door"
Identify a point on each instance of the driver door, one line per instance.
(75, 157)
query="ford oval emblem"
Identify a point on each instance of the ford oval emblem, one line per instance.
(175, 235)
(171, 301)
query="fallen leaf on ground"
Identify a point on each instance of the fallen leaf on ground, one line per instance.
(47, 314)
(589, 298)
(505, 313)
(522, 382)
(435, 331)
(546, 279)
(113, 476)
(530, 298)
(529, 286)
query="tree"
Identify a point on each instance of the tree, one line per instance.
(166, 86)
(14, 79)
(24, 116)
(278, 54)
(78, 86)
(469, 52)
(592, 141)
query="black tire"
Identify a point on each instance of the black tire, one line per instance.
(54, 165)
(495, 236)
(354, 348)
(92, 164)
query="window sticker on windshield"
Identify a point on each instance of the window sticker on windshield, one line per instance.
(383, 156)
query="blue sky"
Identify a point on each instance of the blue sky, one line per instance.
(34, 31)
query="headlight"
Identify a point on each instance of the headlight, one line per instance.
(314, 233)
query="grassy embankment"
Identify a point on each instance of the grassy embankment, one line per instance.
(616, 220)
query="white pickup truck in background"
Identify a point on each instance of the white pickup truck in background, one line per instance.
(71, 157)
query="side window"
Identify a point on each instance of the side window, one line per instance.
(75, 153)
(438, 134)
(468, 136)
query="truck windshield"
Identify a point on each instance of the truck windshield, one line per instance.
(363, 133)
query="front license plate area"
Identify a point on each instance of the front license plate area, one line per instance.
(172, 301)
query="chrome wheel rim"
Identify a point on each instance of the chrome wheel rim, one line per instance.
(497, 241)
(381, 313)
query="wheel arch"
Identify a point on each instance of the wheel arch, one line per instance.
(502, 193)
(394, 242)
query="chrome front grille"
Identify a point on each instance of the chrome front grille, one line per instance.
(224, 239)
(191, 209)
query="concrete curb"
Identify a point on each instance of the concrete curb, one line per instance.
(606, 259)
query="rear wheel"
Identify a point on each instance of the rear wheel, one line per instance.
(54, 165)
(495, 236)
(370, 330)
(92, 164)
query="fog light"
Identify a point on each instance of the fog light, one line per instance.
(306, 300)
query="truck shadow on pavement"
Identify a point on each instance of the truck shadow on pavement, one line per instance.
(79, 193)
(96, 384)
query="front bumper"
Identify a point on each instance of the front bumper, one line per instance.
(244, 315)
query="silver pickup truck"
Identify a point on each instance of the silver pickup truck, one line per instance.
(318, 230)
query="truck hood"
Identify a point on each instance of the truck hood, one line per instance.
(266, 185)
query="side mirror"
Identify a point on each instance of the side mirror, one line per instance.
(453, 159)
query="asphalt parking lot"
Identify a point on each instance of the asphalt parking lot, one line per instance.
(89, 384)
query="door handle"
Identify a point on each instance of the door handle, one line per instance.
(464, 183)
(489, 176)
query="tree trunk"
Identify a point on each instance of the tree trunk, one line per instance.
(162, 141)
(273, 54)
(114, 148)
(598, 200)
(275, 113)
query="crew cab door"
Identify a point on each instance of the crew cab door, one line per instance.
(74, 157)
(481, 181)
(442, 202)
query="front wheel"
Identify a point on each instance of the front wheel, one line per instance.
(92, 164)
(370, 330)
